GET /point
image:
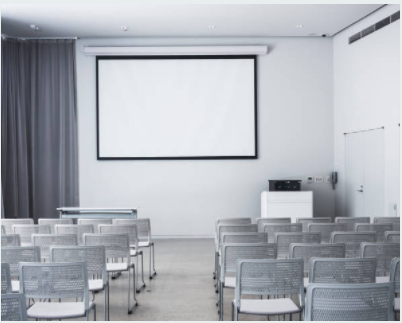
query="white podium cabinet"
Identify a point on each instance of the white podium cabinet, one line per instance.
(287, 205)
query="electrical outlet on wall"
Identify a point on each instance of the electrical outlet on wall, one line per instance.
(319, 179)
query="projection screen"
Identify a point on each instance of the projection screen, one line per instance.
(176, 107)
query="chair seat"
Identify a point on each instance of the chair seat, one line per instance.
(268, 306)
(117, 266)
(15, 286)
(95, 284)
(55, 310)
(143, 244)
(306, 282)
(133, 252)
(382, 279)
(230, 282)
(397, 306)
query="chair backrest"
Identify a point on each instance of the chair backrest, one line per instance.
(387, 219)
(306, 221)
(44, 241)
(342, 270)
(94, 222)
(263, 221)
(259, 237)
(350, 222)
(14, 255)
(306, 251)
(8, 223)
(3, 229)
(5, 279)
(130, 229)
(232, 228)
(352, 240)
(53, 222)
(93, 256)
(55, 280)
(229, 221)
(27, 230)
(269, 277)
(284, 239)
(384, 253)
(116, 245)
(143, 227)
(392, 236)
(13, 307)
(236, 251)
(378, 228)
(396, 227)
(395, 275)
(273, 228)
(326, 229)
(362, 302)
(77, 229)
(10, 240)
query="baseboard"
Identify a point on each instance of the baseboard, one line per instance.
(183, 237)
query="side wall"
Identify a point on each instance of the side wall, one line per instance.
(295, 140)
(367, 95)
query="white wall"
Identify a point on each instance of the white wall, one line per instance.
(366, 95)
(295, 140)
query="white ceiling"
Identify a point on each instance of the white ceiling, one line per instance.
(179, 20)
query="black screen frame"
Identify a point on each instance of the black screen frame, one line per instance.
(170, 57)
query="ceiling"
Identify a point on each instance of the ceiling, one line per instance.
(180, 20)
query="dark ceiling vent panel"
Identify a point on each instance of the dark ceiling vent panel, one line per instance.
(373, 28)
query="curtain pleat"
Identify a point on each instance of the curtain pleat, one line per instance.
(39, 128)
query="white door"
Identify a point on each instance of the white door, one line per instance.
(365, 173)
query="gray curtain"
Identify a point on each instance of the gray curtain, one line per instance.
(39, 149)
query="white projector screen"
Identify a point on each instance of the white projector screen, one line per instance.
(176, 107)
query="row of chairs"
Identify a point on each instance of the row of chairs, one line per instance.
(232, 231)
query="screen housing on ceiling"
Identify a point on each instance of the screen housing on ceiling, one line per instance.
(180, 57)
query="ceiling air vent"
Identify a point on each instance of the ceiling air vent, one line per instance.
(377, 26)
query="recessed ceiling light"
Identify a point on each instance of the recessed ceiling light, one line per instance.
(299, 26)
(124, 28)
(211, 27)
(35, 27)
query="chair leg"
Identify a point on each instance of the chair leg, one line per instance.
(108, 302)
(221, 302)
(105, 301)
(232, 311)
(130, 308)
(150, 258)
(142, 273)
(94, 312)
(216, 265)
(236, 314)
(153, 258)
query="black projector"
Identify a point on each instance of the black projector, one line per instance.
(284, 185)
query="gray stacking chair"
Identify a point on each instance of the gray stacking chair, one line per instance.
(396, 227)
(144, 239)
(306, 251)
(342, 270)
(56, 281)
(13, 256)
(395, 278)
(10, 240)
(387, 219)
(384, 253)
(95, 259)
(259, 237)
(226, 228)
(352, 240)
(273, 228)
(26, 230)
(44, 241)
(53, 222)
(132, 232)
(237, 251)
(3, 229)
(13, 307)
(378, 228)
(356, 302)
(5, 279)
(392, 236)
(263, 221)
(306, 221)
(77, 229)
(8, 223)
(268, 277)
(284, 239)
(94, 222)
(326, 229)
(117, 246)
(350, 222)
